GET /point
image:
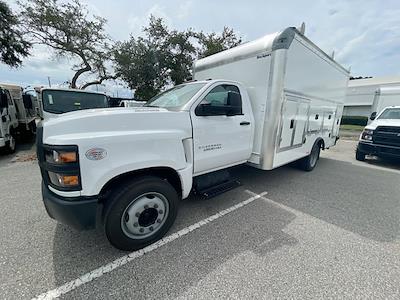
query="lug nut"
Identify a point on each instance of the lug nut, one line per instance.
(146, 206)
(155, 205)
(151, 228)
(135, 224)
(158, 220)
(160, 211)
(141, 229)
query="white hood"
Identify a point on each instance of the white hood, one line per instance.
(91, 123)
(383, 122)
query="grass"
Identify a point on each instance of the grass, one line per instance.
(351, 127)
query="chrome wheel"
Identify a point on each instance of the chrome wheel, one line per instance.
(145, 215)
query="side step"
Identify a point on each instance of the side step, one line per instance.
(214, 184)
(219, 189)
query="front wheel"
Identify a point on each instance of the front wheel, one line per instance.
(309, 162)
(360, 156)
(140, 213)
(11, 144)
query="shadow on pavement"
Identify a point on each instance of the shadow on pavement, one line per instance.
(390, 163)
(361, 200)
(257, 227)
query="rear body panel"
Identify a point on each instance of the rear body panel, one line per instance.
(296, 92)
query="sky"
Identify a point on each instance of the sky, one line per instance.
(365, 35)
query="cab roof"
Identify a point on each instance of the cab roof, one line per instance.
(72, 90)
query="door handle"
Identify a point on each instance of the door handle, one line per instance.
(244, 123)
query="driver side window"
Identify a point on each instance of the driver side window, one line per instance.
(223, 100)
(218, 96)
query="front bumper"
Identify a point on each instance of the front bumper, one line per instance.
(78, 212)
(379, 150)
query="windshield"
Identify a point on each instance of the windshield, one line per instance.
(390, 113)
(175, 97)
(58, 102)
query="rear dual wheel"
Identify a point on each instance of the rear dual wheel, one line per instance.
(140, 213)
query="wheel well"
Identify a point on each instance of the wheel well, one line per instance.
(165, 173)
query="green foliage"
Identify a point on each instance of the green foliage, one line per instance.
(213, 43)
(71, 32)
(13, 46)
(354, 120)
(164, 57)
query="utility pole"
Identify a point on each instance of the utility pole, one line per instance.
(48, 79)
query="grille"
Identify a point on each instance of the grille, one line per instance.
(387, 135)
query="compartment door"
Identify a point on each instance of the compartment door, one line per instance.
(288, 120)
(301, 123)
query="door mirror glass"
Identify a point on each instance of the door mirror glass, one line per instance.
(373, 116)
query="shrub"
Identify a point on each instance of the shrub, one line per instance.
(354, 120)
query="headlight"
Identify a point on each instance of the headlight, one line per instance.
(60, 167)
(366, 135)
(61, 157)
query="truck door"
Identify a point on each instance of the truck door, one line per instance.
(12, 110)
(219, 139)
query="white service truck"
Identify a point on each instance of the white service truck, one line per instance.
(265, 103)
(381, 137)
(8, 121)
(25, 106)
(56, 101)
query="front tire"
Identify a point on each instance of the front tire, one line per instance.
(309, 162)
(360, 156)
(11, 145)
(140, 213)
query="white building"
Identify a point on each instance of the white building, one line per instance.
(361, 93)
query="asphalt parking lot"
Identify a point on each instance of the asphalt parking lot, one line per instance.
(330, 233)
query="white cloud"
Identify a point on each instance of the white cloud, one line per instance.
(185, 9)
(138, 22)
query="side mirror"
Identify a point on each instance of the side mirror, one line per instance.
(373, 116)
(207, 109)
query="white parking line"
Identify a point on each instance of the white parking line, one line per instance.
(88, 277)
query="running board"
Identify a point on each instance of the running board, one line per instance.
(219, 189)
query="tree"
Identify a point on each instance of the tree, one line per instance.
(213, 43)
(13, 46)
(161, 58)
(138, 64)
(72, 33)
(164, 57)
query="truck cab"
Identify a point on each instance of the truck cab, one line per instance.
(8, 121)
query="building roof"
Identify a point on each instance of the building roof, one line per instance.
(375, 81)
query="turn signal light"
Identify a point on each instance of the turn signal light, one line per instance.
(69, 180)
(66, 157)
